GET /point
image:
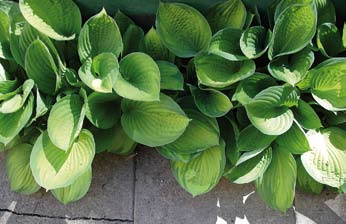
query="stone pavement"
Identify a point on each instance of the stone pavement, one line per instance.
(142, 190)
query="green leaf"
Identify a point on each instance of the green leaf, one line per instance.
(325, 11)
(269, 110)
(305, 182)
(100, 73)
(201, 133)
(292, 68)
(294, 140)
(54, 168)
(132, 39)
(171, 77)
(211, 102)
(139, 78)
(18, 100)
(225, 43)
(5, 50)
(306, 116)
(276, 186)
(99, 34)
(12, 124)
(153, 123)
(203, 173)
(65, 121)
(328, 83)
(217, 72)
(248, 88)
(176, 156)
(295, 19)
(231, 13)
(113, 140)
(329, 40)
(229, 131)
(18, 170)
(123, 21)
(40, 67)
(182, 29)
(76, 190)
(42, 107)
(250, 166)
(103, 110)
(153, 46)
(251, 139)
(254, 41)
(325, 163)
(60, 19)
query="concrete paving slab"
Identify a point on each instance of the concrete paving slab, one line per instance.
(327, 208)
(159, 199)
(110, 196)
(10, 218)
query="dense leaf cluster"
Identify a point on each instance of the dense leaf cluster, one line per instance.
(232, 93)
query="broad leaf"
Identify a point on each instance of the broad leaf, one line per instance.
(170, 75)
(328, 83)
(250, 166)
(153, 123)
(248, 88)
(100, 73)
(329, 40)
(17, 101)
(18, 170)
(269, 110)
(201, 133)
(295, 19)
(276, 186)
(54, 168)
(182, 29)
(123, 21)
(139, 78)
(176, 156)
(292, 68)
(153, 46)
(99, 34)
(103, 110)
(203, 173)
(12, 124)
(294, 140)
(254, 41)
(132, 39)
(211, 102)
(325, 11)
(59, 19)
(230, 13)
(225, 43)
(40, 67)
(325, 163)
(306, 116)
(251, 139)
(305, 182)
(76, 190)
(5, 22)
(229, 131)
(65, 121)
(215, 71)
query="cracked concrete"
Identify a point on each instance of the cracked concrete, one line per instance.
(142, 190)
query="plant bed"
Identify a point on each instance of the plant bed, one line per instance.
(233, 92)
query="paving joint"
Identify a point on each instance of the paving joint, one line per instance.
(66, 218)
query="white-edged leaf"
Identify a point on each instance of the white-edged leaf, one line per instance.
(58, 19)
(65, 121)
(54, 168)
(139, 78)
(153, 123)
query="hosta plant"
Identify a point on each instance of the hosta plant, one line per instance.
(236, 93)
